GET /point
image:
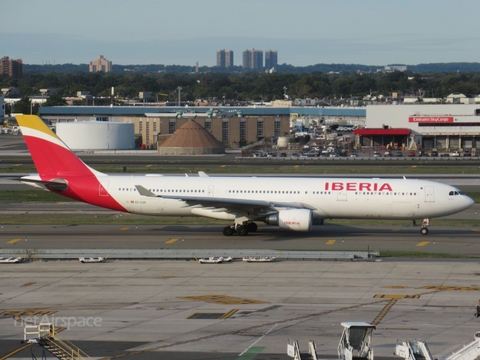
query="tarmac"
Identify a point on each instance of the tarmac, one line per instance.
(183, 309)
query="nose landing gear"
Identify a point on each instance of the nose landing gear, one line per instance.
(425, 225)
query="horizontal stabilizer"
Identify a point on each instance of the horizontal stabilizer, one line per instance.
(53, 184)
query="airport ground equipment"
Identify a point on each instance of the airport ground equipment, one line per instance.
(293, 350)
(413, 350)
(44, 335)
(356, 341)
(418, 350)
(312, 349)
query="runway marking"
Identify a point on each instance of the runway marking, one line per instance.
(250, 328)
(451, 288)
(222, 166)
(475, 229)
(253, 349)
(395, 230)
(423, 243)
(14, 241)
(330, 242)
(222, 299)
(28, 284)
(171, 241)
(397, 287)
(384, 312)
(396, 296)
(251, 353)
(228, 314)
(124, 229)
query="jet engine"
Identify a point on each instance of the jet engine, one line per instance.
(296, 219)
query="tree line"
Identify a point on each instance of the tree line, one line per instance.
(239, 87)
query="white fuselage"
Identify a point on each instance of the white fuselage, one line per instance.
(355, 198)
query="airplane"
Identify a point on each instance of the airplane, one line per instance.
(290, 203)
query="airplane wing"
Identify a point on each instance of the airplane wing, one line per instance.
(229, 204)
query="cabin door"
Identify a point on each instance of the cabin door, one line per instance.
(429, 194)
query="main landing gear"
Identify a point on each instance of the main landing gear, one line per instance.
(425, 225)
(240, 229)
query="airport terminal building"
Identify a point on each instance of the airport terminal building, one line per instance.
(422, 126)
(407, 126)
(229, 125)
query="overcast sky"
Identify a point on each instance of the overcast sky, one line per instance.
(182, 32)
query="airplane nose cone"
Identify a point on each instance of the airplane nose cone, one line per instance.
(468, 202)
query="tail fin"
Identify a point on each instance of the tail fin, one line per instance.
(60, 170)
(52, 157)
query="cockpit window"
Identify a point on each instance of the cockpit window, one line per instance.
(455, 193)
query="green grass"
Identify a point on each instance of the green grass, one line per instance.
(420, 255)
(120, 219)
(131, 219)
(31, 195)
(261, 166)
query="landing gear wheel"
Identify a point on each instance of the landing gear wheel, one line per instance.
(242, 230)
(252, 227)
(424, 231)
(228, 231)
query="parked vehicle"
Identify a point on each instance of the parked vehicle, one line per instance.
(454, 154)
(398, 154)
(411, 154)
(434, 153)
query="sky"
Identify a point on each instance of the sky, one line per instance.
(184, 32)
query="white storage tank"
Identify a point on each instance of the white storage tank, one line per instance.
(97, 135)
(282, 142)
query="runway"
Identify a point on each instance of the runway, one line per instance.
(456, 240)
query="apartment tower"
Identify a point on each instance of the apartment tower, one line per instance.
(252, 59)
(271, 59)
(13, 68)
(100, 64)
(225, 58)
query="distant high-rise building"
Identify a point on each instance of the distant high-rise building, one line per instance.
(271, 59)
(252, 59)
(225, 58)
(100, 64)
(13, 68)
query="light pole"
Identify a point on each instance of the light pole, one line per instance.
(179, 91)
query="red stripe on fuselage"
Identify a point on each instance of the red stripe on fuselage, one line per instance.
(54, 161)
